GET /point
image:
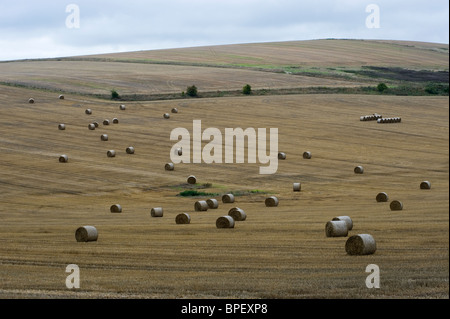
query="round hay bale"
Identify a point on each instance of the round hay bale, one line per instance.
(116, 208)
(169, 167)
(122, 107)
(201, 206)
(362, 118)
(183, 218)
(307, 155)
(228, 198)
(297, 187)
(281, 155)
(396, 205)
(237, 213)
(361, 244)
(191, 179)
(212, 203)
(115, 120)
(105, 122)
(382, 197)
(271, 201)
(359, 170)
(174, 110)
(380, 121)
(399, 119)
(96, 124)
(111, 153)
(157, 212)
(225, 222)
(62, 127)
(63, 158)
(425, 185)
(336, 228)
(61, 97)
(179, 151)
(166, 115)
(91, 126)
(31, 100)
(88, 111)
(346, 219)
(130, 150)
(104, 137)
(86, 233)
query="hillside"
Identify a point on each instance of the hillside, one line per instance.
(222, 69)
(277, 252)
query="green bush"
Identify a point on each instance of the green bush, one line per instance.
(114, 95)
(437, 88)
(381, 87)
(191, 90)
(247, 89)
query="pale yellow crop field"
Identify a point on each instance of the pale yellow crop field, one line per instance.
(277, 252)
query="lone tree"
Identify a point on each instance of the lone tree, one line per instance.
(247, 89)
(114, 95)
(191, 90)
(381, 87)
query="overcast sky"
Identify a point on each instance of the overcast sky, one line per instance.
(57, 28)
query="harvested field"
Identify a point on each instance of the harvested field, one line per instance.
(278, 252)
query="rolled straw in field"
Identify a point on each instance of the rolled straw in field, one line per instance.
(130, 150)
(31, 100)
(237, 213)
(212, 203)
(425, 185)
(157, 212)
(61, 97)
(281, 155)
(169, 167)
(95, 123)
(358, 170)
(174, 110)
(228, 198)
(111, 153)
(346, 219)
(307, 155)
(104, 137)
(62, 127)
(63, 158)
(201, 206)
(88, 111)
(122, 107)
(116, 208)
(86, 233)
(115, 120)
(297, 187)
(105, 122)
(336, 228)
(179, 151)
(382, 197)
(166, 115)
(396, 205)
(183, 218)
(271, 201)
(91, 126)
(225, 222)
(361, 244)
(191, 179)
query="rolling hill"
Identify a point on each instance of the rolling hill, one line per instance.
(278, 252)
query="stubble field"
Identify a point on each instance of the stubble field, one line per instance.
(278, 252)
